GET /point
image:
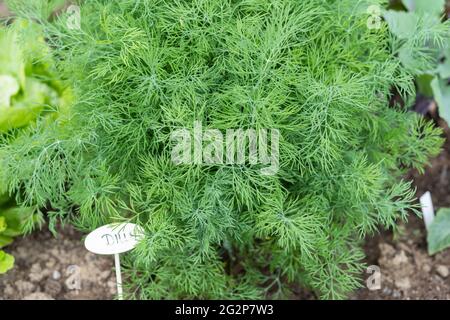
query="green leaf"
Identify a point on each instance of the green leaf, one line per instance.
(439, 232)
(6, 262)
(424, 84)
(26, 108)
(402, 24)
(11, 57)
(441, 93)
(433, 7)
(2, 224)
(15, 218)
(8, 88)
(444, 68)
(17, 117)
(5, 241)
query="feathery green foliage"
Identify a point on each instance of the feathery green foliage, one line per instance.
(311, 69)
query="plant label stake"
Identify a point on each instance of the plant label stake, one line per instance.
(114, 239)
(427, 208)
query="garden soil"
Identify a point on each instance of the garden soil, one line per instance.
(59, 268)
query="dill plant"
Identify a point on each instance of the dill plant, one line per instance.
(311, 69)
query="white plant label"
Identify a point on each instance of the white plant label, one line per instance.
(427, 208)
(114, 238)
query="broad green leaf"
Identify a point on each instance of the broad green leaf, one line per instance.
(2, 224)
(8, 88)
(26, 108)
(424, 84)
(439, 232)
(14, 218)
(11, 58)
(433, 7)
(17, 117)
(441, 93)
(402, 24)
(5, 240)
(444, 68)
(6, 262)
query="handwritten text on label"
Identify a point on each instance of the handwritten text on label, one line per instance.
(114, 238)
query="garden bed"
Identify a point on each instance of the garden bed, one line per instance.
(61, 268)
(57, 268)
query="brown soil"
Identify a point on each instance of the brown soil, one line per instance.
(407, 271)
(57, 268)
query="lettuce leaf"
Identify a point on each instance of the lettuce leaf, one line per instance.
(6, 262)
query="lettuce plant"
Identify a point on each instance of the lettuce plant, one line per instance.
(311, 69)
(24, 71)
